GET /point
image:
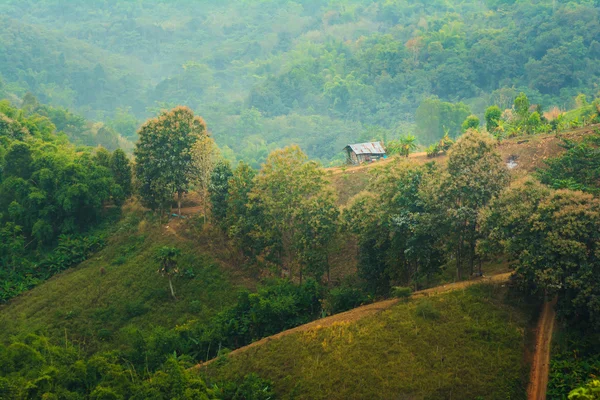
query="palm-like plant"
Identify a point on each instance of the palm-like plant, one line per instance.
(167, 257)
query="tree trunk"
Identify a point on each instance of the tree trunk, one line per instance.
(179, 204)
(171, 286)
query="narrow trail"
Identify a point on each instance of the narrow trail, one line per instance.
(541, 359)
(367, 310)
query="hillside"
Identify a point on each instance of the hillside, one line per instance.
(319, 73)
(528, 152)
(103, 302)
(466, 344)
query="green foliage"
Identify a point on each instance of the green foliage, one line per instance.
(314, 73)
(273, 308)
(475, 174)
(492, 118)
(578, 168)
(436, 118)
(34, 367)
(393, 224)
(591, 391)
(402, 146)
(553, 237)
(344, 298)
(164, 158)
(401, 292)
(574, 361)
(219, 190)
(299, 214)
(472, 122)
(51, 197)
(252, 387)
(121, 170)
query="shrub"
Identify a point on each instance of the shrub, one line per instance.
(344, 298)
(401, 292)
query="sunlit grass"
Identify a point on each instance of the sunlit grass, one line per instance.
(464, 345)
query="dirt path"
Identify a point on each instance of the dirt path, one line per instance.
(541, 359)
(369, 309)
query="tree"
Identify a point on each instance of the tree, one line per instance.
(522, 106)
(396, 236)
(434, 117)
(492, 118)
(164, 156)
(472, 122)
(553, 237)
(121, 170)
(475, 174)
(102, 157)
(242, 217)
(291, 192)
(167, 258)
(219, 190)
(204, 157)
(18, 161)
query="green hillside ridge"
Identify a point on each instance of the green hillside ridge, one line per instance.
(467, 344)
(319, 73)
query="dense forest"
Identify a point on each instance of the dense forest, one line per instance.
(317, 73)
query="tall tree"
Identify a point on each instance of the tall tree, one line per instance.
(204, 157)
(288, 188)
(121, 170)
(475, 174)
(242, 217)
(553, 236)
(164, 156)
(219, 190)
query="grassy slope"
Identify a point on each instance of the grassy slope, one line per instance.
(460, 345)
(91, 307)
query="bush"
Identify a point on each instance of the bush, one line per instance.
(344, 298)
(401, 292)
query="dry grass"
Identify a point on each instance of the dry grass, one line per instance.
(462, 345)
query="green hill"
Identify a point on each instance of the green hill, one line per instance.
(468, 344)
(100, 304)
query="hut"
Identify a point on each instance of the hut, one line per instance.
(364, 152)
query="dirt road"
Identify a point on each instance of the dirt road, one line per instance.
(541, 359)
(369, 309)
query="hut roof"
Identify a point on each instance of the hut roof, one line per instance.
(367, 148)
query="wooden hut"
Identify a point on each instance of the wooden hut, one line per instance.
(364, 152)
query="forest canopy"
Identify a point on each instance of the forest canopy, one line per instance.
(318, 73)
